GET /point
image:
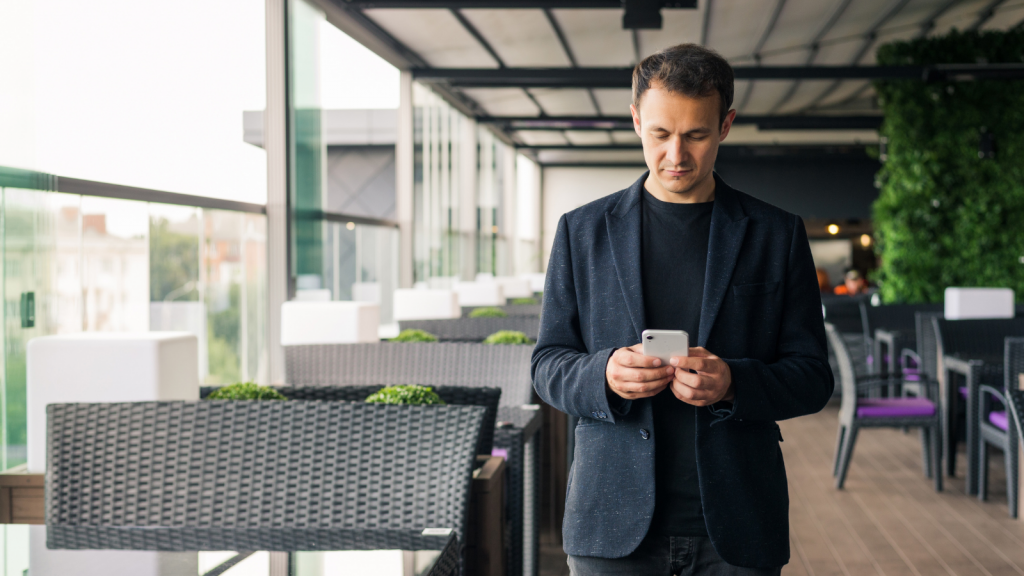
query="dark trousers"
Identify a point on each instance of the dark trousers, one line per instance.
(664, 556)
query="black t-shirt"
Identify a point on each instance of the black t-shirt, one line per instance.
(674, 254)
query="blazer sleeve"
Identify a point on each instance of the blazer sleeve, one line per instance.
(565, 374)
(800, 382)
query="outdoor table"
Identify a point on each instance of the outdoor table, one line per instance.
(981, 369)
(300, 551)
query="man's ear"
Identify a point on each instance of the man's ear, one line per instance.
(726, 125)
(636, 119)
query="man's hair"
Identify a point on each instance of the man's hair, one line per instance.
(688, 69)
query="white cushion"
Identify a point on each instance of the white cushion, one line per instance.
(105, 367)
(425, 304)
(484, 277)
(536, 281)
(480, 294)
(329, 322)
(514, 287)
(967, 303)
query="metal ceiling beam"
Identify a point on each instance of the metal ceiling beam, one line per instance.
(756, 52)
(622, 77)
(564, 42)
(813, 52)
(985, 14)
(602, 123)
(503, 4)
(869, 40)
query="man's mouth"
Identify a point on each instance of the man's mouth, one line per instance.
(676, 172)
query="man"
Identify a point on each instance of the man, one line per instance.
(677, 469)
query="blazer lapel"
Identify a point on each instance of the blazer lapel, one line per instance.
(624, 237)
(728, 227)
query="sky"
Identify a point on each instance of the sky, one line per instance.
(151, 94)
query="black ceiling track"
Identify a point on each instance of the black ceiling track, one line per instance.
(506, 4)
(622, 77)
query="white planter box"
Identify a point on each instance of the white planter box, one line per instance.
(514, 287)
(424, 304)
(480, 294)
(536, 281)
(105, 367)
(329, 322)
(968, 303)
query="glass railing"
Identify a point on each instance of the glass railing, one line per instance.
(85, 262)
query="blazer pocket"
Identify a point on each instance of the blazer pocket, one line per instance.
(755, 289)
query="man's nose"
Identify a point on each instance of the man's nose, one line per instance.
(677, 153)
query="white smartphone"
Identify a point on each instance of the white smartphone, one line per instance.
(664, 344)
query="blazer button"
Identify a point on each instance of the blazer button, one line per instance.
(644, 434)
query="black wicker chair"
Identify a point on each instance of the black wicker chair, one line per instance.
(376, 476)
(891, 329)
(857, 413)
(996, 426)
(451, 364)
(844, 313)
(474, 329)
(488, 398)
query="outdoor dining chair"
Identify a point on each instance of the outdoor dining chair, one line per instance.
(858, 412)
(997, 428)
(377, 475)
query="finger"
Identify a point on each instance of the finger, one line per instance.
(638, 360)
(701, 352)
(691, 363)
(696, 381)
(692, 395)
(643, 374)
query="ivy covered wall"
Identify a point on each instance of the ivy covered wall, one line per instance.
(948, 213)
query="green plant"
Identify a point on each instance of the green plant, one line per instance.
(507, 337)
(488, 312)
(246, 391)
(948, 214)
(409, 394)
(414, 335)
(519, 301)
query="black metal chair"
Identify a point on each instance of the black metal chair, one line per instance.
(997, 428)
(971, 351)
(857, 412)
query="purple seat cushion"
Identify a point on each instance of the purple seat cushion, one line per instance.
(963, 391)
(894, 407)
(911, 375)
(998, 419)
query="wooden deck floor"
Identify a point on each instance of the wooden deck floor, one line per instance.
(888, 521)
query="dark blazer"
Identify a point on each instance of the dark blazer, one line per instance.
(761, 313)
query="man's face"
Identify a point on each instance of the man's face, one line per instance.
(680, 136)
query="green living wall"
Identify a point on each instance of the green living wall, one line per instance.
(948, 214)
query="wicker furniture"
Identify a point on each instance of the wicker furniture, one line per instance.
(510, 309)
(857, 413)
(451, 364)
(488, 398)
(428, 364)
(474, 329)
(971, 350)
(365, 471)
(892, 329)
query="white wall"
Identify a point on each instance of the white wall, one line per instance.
(566, 189)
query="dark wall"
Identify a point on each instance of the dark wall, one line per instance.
(825, 186)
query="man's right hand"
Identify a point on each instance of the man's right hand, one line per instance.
(632, 375)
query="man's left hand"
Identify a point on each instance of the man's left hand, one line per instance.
(712, 382)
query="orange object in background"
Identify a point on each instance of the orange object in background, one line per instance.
(824, 284)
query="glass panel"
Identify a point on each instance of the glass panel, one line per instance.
(115, 265)
(436, 232)
(254, 299)
(491, 179)
(308, 153)
(29, 266)
(223, 271)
